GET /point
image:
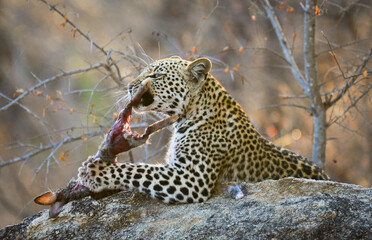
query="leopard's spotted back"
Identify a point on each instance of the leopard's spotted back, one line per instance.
(213, 140)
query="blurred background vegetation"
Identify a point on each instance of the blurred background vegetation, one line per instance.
(37, 44)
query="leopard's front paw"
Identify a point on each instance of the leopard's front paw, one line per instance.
(93, 174)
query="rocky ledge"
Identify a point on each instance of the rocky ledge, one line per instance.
(284, 209)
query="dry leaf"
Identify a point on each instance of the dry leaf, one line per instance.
(95, 119)
(236, 67)
(241, 49)
(282, 6)
(63, 156)
(71, 110)
(317, 11)
(18, 91)
(73, 32)
(49, 97)
(226, 48)
(193, 51)
(188, 56)
(226, 70)
(58, 95)
(37, 92)
(364, 73)
(271, 131)
(290, 9)
(253, 18)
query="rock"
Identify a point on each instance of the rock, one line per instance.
(284, 209)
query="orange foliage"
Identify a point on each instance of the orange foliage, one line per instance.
(317, 11)
(18, 91)
(271, 131)
(365, 73)
(63, 156)
(236, 67)
(84, 138)
(282, 6)
(290, 9)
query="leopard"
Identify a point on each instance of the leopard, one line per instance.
(213, 140)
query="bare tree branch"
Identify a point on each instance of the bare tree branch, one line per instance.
(307, 109)
(334, 55)
(350, 82)
(285, 48)
(335, 46)
(353, 104)
(203, 22)
(86, 36)
(51, 79)
(52, 146)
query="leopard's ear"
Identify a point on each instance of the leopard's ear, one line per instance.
(199, 69)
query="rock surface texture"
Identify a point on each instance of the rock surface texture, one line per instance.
(284, 209)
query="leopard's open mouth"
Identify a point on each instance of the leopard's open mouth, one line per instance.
(146, 99)
(142, 95)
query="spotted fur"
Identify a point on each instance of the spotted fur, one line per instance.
(213, 140)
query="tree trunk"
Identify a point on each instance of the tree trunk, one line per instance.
(318, 108)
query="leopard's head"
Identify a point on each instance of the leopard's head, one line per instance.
(174, 81)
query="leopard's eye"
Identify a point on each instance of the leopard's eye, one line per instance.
(157, 75)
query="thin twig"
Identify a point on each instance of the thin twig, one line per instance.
(334, 55)
(350, 106)
(284, 45)
(50, 146)
(41, 121)
(203, 22)
(80, 91)
(335, 47)
(286, 105)
(285, 96)
(350, 82)
(86, 36)
(51, 79)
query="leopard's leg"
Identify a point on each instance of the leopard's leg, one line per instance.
(165, 182)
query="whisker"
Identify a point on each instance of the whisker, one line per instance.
(148, 58)
(123, 100)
